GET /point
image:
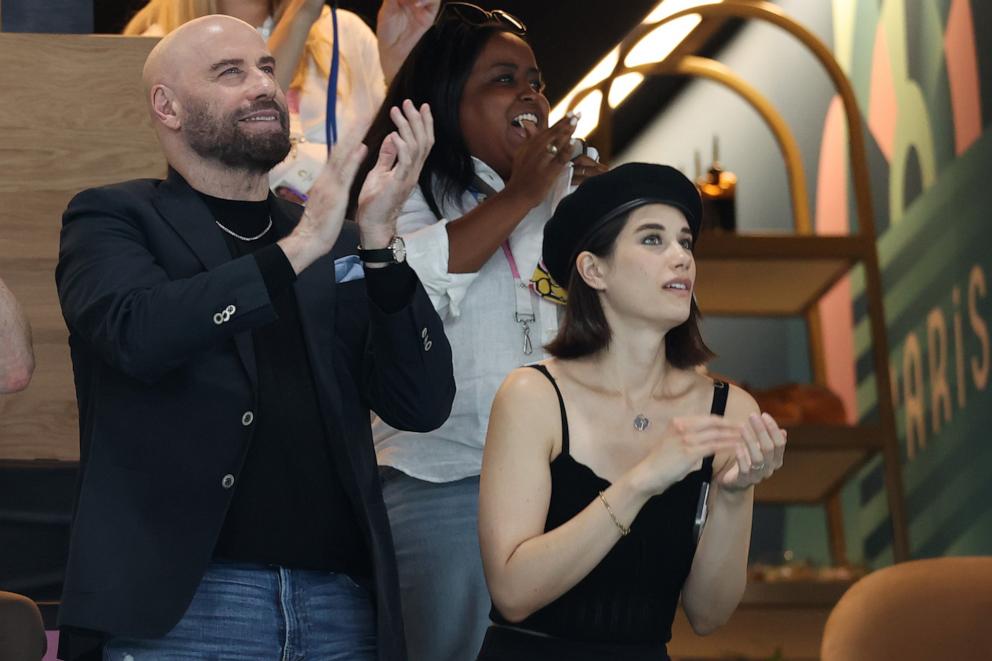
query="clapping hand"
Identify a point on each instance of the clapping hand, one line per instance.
(681, 449)
(323, 215)
(758, 457)
(585, 167)
(540, 160)
(395, 173)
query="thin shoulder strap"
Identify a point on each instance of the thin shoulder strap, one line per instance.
(561, 404)
(720, 392)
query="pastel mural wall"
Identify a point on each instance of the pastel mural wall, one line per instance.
(918, 74)
(922, 72)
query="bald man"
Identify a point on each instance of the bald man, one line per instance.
(228, 347)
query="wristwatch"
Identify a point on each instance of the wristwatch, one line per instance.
(394, 253)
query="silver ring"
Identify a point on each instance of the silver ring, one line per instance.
(758, 467)
(552, 149)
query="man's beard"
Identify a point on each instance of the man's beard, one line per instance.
(224, 140)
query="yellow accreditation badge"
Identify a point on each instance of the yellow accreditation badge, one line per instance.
(545, 286)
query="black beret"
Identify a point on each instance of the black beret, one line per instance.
(604, 197)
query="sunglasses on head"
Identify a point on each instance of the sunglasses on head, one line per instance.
(475, 15)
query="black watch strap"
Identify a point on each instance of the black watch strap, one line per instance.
(377, 256)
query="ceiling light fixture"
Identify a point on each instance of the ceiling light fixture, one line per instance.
(653, 47)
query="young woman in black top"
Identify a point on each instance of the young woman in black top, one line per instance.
(602, 463)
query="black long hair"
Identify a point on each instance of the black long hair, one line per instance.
(435, 72)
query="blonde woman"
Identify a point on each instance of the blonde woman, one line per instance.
(300, 34)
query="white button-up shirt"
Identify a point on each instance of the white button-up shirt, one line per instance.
(478, 310)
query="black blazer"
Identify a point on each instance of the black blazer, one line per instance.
(163, 390)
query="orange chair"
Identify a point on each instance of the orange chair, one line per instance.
(22, 634)
(923, 610)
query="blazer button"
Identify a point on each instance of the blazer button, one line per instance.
(228, 481)
(218, 318)
(427, 345)
(247, 418)
(423, 333)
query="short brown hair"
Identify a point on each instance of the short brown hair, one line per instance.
(585, 330)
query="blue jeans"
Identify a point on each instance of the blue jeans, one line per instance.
(442, 588)
(242, 612)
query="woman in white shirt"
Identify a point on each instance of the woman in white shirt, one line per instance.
(473, 234)
(300, 34)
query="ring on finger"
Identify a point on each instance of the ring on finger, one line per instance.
(758, 467)
(552, 149)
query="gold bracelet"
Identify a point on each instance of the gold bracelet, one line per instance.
(624, 530)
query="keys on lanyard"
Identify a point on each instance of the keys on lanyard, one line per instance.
(524, 312)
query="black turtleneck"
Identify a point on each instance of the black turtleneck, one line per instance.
(289, 507)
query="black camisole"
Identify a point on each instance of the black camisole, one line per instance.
(630, 597)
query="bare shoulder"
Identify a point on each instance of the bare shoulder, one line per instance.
(525, 390)
(527, 404)
(740, 404)
(696, 387)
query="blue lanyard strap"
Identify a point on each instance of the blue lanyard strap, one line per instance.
(331, 126)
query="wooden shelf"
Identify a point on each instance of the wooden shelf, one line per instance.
(770, 275)
(818, 460)
(806, 593)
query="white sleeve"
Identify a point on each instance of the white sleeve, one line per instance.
(426, 239)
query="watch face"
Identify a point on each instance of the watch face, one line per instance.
(399, 250)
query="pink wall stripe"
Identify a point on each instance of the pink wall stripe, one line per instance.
(962, 73)
(836, 313)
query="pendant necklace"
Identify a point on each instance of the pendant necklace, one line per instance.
(641, 422)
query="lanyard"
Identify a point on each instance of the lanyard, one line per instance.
(331, 125)
(523, 313)
(524, 301)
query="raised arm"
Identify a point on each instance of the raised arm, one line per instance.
(289, 37)
(399, 26)
(407, 373)
(16, 354)
(474, 237)
(716, 582)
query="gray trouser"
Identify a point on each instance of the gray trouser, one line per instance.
(443, 591)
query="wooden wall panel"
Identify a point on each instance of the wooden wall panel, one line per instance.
(72, 116)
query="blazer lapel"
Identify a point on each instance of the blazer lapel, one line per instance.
(180, 205)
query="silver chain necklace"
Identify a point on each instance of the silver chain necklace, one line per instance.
(247, 238)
